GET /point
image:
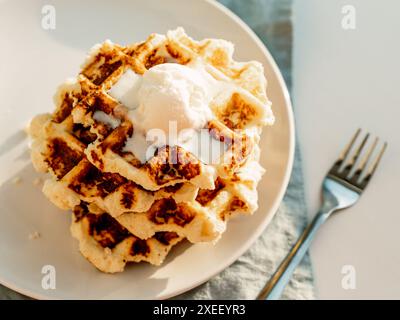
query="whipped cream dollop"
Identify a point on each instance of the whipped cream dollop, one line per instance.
(172, 92)
(172, 99)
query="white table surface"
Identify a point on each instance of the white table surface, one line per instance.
(345, 79)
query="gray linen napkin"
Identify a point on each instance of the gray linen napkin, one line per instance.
(271, 20)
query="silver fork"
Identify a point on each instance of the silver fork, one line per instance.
(341, 188)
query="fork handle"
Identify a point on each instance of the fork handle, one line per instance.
(275, 286)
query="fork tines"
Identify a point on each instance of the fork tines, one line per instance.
(361, 175)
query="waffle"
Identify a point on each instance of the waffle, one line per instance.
(239, 112)
(172, 191)
(204, 219)
(58, 148)
(109, 246)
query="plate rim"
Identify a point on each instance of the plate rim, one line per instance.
(277, 201)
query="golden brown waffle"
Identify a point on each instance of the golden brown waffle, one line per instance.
(59, 149)
(204, 219)
(109, 246)
(243, 110)
(109, 191)
(90, 168)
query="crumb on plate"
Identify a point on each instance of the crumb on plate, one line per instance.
(17, 180)
(37, 181)
(34, 235)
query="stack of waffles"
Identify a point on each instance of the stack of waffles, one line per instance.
(129, 210)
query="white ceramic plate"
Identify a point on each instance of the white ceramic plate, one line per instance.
(33, 61)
